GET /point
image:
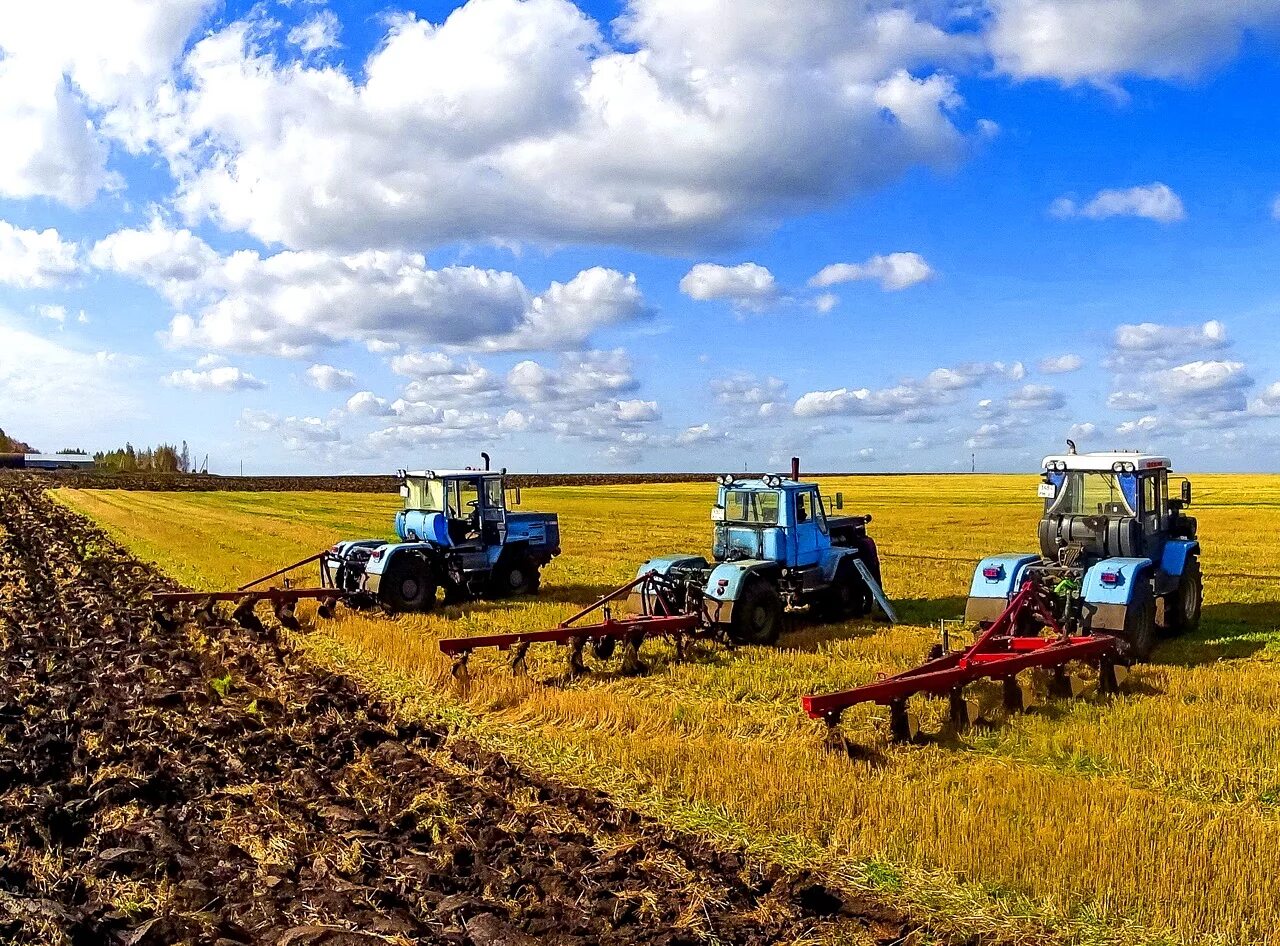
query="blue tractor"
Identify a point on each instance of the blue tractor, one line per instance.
(457, 538)
(1118, 555)
(775, 550)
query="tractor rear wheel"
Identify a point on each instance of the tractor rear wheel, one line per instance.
(515, 575)
(757, 614)
(1139, 636)
(1182, 608)
(409, 585)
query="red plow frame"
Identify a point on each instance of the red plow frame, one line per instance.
(282, 600)
(999, 653)
(664, 620)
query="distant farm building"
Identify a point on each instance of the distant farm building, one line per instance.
(45, 461)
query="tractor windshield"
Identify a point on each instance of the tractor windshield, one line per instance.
(425, 494)
(745, 505)
(1081, 493)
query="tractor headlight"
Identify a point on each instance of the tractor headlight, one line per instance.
(773, 481)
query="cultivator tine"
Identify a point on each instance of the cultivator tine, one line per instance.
(461, 672)
(1111, 676)
(1018, 696)
(603, 647)
(244, 616)
(904, 725)
(519, 667)
(327, 608)
(835, 740)
(679, 642)
(963, 711)
(1065, 685)
(632, 665)
(576, 664)
(284, 614)
(167, 618)
(206, 613)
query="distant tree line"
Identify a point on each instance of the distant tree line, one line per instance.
(9, 445)
(165, 458)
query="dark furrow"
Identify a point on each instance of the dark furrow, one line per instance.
(202, 785)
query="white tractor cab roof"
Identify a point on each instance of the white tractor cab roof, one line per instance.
(1110, 462)
(444, 474)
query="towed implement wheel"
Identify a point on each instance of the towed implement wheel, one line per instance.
(1139, 637)
(1182, 608)
(757, 614)
(409, 585)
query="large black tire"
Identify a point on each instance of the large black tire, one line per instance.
(848, 596)
(1182, 608)
(757, 614)
(1139, 636)
(409, 585)
(515, 575)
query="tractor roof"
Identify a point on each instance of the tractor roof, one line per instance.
(442, 474)
(1106, 462)
(775, 481)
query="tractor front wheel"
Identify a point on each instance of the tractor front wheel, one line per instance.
(1182, 608)
(847, 597)
(409, 585)
(757, 614)
(1139, 637)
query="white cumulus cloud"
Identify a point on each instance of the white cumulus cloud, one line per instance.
(894, 272)
(330, 378)
(1155, 202)
(748, 285)
(31, 259)
(224, 379)
(1061, 364)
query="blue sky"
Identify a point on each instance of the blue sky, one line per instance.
(654, 235)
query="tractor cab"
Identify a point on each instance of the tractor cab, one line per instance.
(772, 519)
(452, 508)
(1104, 505)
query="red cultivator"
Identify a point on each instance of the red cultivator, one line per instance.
(1000, 653)
(282, 600)
(659, 617)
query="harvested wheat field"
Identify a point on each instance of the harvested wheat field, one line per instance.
(1150, 817)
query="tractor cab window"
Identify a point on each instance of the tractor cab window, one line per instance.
(426, 495)
(1082, 493)
(464, 499)
(804, 508)
(493, 498)
(743, 505)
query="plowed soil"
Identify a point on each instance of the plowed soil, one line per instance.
(200, 784)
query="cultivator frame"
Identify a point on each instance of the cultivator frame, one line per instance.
(659, 618)
(1000, 652)
(247, 597)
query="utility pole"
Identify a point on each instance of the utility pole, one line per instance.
(973, 463)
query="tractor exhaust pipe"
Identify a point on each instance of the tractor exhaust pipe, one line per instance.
(484, 456)
(795, 469)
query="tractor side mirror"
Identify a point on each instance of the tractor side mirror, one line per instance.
(404, 491)
(839, 500)
(1186, 492)
(717, 514)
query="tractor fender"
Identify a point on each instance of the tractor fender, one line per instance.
(727, 579)
(1105, 604)
(383, 556)
(1006, 575)
(1176, 552)
(995, 580)
(831, 560)
(664, 563)
(419, 526)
